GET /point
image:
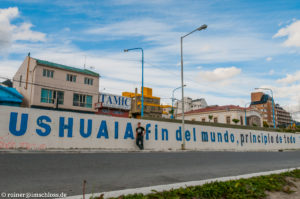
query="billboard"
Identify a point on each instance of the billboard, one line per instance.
(114, 101)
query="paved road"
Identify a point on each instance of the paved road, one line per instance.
(61, 172)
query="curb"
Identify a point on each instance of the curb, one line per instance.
(160, 188)
(2, 151)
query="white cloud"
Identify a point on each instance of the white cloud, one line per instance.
(6, 15)
(271, 72)
(220, 74)
(198, 48)
(269, 59)
(202, 48)
(150, 29)
(8, 68)
(292, 32)
(24, 32)
(285, 95)
(10, 32)
(290, 78)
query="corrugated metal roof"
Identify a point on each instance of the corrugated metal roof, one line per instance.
(10, 95)
(64, 67)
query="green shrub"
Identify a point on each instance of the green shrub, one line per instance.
(234, 189)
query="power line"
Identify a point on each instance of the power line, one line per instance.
(47, 86)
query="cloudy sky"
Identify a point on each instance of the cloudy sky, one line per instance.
(247, 44)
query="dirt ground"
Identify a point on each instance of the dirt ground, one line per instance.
(294, 186)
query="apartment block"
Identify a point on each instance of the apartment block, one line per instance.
(263, 103)
(284, 118)
(50, 85)
(190, 104)
(152, 107)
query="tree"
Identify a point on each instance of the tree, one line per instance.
(210, 117)
(8, 83)
(265, 124)
(235, 121)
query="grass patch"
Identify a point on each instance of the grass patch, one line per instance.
(234, 189)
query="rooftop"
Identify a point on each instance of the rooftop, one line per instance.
(64, 67)
(217, 108)
(8, 94)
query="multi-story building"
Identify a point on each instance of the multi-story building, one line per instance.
(224, 114)
(190, 104)
(263, 103)
(284, 118)
(55, 86)
(152, 107)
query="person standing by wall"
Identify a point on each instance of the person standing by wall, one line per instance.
(140, 132)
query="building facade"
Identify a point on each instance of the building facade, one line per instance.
(54, 86)
(263, 103)
(224, 114)
(113, 105)
(152, 107)
(190, 105)
(167, 111)
(284, 118)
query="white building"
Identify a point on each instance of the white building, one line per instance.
(190, 105)
(225, 115)
(167, 111)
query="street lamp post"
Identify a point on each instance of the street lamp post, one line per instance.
(204, 26)
(274, 123)
(173, 100)
(142, 106)
(245, 113)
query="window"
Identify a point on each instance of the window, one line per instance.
(105, 110)
(88, 81)
(82, 100)
(71, 78)
(46, 96)
(228, 119)
(215, 120)
(51, 96)
(48, 73)
(20, 82)
(203, 119)
(241, 119)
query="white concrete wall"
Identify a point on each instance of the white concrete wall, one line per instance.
(43, 126)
